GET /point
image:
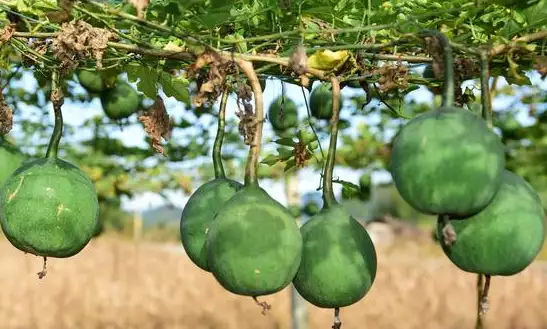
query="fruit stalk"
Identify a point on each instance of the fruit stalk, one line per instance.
(486, 113)
(217, 146)
(254, 149)
(480, 283)
(448, 88)
(485, 90)
(57, 99)
(328, 195)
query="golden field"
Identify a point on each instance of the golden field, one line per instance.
(118, 284)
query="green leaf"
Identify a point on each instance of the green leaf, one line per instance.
(284, 154)
(287, 141)
(270, 160)
(175, 87)
(146, 78)
(289, 165)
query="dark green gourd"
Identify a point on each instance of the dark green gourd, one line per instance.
(254, 245)
(203, 204)
(321, 102)
(283, 114)
(447, 161)
(121, 101)
(505, 237)
(49, 207)
(339, 262)
(91, 81)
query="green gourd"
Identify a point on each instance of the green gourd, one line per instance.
(505, 237)
(321, 102)
(253, 245)
(204, 203)
(121, 101)
(283, 114)
(447, 161)
(49, 207)
(339, 261)
(91, 81)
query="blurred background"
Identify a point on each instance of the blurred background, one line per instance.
(134, 273)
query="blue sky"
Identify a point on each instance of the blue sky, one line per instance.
(77, 113)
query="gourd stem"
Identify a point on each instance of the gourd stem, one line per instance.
(448, 87)
(479, 322)
(57, 101)
(485, 90)
(217, 146)
(328, 194)
(254, 150)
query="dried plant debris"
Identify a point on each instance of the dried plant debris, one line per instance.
(6, 33)
(209, 71)
(393, 77)
(6, 117)
(245, 113)
(63, 14)
(140, 5)
(79, 40)
(298, 61)
(301, 154)
(157, 124)
(540, 64)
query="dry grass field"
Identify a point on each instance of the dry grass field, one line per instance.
(120, 285)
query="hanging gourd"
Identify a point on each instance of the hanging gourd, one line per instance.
(339, 262)
(253, 245)
(204, 203)
(49, 207)
(447, 161)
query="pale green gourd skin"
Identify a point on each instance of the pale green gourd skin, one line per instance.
(49, 208)
(199, 212)
(339, 260)
(254, 245)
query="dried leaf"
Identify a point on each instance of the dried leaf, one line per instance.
(140, 5)
(79, 40)
(6, 117)
(157, 124)
(6, 33)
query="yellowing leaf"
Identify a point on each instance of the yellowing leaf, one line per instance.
(173, 46)
(327, 60)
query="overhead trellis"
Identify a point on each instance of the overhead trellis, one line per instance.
(167, 43)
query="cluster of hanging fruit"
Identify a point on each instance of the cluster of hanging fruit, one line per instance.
(449, 163)
(253, 245)
(119, 100)
(63, 193)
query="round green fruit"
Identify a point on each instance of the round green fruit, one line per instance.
(49, 208)
(339, 261)
(254, 244)
(447, 162)
(121, 101)
(321, 102)
(505, 237)
(10, 159)
(311, 208)
(283, 114)
(91, 81)
(198, 213)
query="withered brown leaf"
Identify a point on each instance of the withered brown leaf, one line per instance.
(140, 5)
(157, 124)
